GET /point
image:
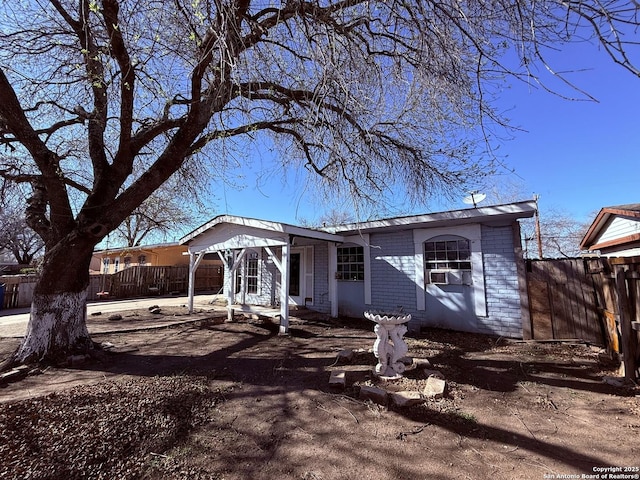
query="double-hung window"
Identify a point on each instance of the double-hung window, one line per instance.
(252, 272)
(448, 260)
(350, 264)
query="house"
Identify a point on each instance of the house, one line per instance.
(113, 260)
(150, 270)
(460, 270)
(8, 263)
(615, 232)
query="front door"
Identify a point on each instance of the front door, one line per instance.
(301, 275)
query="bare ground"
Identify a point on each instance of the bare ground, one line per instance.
(207, 399)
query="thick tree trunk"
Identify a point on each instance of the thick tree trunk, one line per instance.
(57, 328)
(57, 325)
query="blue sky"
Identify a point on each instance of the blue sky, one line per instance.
(578, 156)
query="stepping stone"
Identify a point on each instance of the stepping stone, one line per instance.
(345, 356)
(338, 379)
(435, 387)
(375, 394)
(406, 398)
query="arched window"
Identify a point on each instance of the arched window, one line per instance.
(447, 260)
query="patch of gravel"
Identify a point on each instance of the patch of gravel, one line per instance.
(103, 431)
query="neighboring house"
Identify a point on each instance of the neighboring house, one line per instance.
(113, 260)
(8, 263)
(461, 270)
(615, 232)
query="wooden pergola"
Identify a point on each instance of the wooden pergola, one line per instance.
(230, 237)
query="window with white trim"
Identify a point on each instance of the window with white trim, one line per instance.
(350, 264)
(252, 272)
(447, 260)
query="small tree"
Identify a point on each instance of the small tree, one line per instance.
(102, 101)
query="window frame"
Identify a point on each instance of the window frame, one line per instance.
(252, 280)
(350, 264)
(448, 260)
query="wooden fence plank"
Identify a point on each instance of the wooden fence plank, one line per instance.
(540, 310)
(628, 335)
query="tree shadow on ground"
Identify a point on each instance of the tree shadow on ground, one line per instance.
(474, 360)
(276, 369)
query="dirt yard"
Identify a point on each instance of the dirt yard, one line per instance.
(214, 400)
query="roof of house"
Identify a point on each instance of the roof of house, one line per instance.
(139, 248)
(494, 213)
(631, 210)
(277, 227)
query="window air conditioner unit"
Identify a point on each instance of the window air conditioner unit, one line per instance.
(450, 277)
(439, 277)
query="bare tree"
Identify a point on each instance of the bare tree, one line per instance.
(17, 237)
(560, 235)
(172, 208)
(155, 216)
(102, 101)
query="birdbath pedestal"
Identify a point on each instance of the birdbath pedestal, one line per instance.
(389, 347)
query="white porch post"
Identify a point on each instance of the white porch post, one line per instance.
(227, 282)
(333, 283)
(234, 266)
(194, 262)
(284, 290)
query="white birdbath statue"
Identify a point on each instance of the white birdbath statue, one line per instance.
(389, 347)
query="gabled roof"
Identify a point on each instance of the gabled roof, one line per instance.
(631, 210)
(270, 226)
(229, 231)
(495, 213)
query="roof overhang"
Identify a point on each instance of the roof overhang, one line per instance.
(492, 214)
(601, 220)
(228, 232)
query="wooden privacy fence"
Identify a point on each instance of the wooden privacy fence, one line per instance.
(140, 281)
(9, 295)
(17, 290)
(617, 287)
(562, 301)
(596, 300)
(137, 281)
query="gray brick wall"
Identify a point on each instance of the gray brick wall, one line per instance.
(392, 272)
(321, 279)
(501, 283)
